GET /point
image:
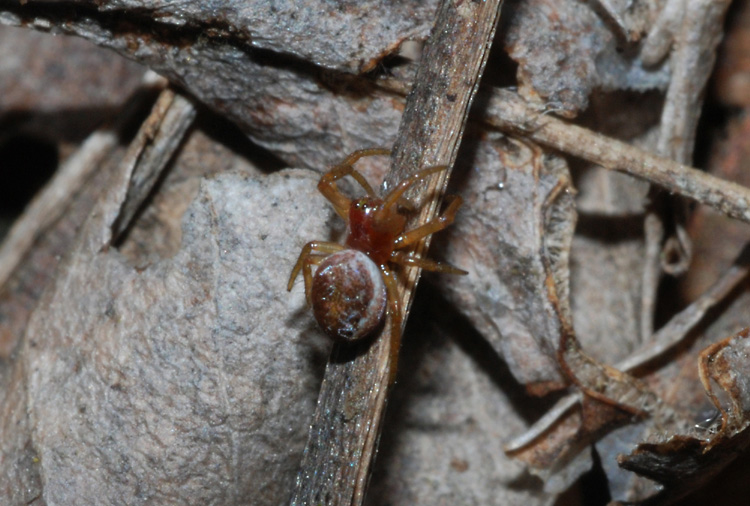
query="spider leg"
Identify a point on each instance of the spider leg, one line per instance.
(327, 185)
(307, 272)
(391, 287)
(392, 198)
(402, 258)
(432, 226)
(312, 248)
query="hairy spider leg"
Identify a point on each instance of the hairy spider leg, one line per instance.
(403, 258)
(307, 272)
(313, 248)
(391, 287)
(327, 185)
(432, 226)
(393, 197)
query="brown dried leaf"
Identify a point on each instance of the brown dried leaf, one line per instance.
(683, 463)
(566, 49)
(264, 70)
(513, 237)
(308, 116)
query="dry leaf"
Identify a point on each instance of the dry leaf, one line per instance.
(172, 366)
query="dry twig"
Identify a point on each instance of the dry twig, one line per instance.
(508, 112)
(161, 136)
(346, 426)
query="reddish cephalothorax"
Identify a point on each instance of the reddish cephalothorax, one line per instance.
(353, 286)
(371, 231)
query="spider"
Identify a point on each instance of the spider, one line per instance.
(354, 286)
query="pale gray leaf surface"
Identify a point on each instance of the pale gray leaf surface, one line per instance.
(565, 50)
(20, 473)
(189, 382)
(608, 247)
(349, 36)
(504, 238)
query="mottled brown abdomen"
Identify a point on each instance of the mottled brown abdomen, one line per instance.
(348, 295)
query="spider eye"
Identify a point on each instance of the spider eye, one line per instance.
(361, 204)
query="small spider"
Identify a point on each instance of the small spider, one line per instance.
(354, 287)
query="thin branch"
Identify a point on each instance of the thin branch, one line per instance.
(510, 113)
(157, 141)
(346, 426)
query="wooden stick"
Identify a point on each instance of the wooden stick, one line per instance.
(346, 426)
(156, 143)
(510, 113)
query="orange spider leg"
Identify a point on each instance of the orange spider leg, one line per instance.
(402, 258)
(392, 198)
(432, 226)
(307, 272)
(327, 185)
(391, 287)
(311, 248)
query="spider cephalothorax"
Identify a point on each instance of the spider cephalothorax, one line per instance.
(354, 286)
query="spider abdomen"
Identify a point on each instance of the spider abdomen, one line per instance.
(348, 295)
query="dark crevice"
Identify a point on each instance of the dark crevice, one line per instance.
(228, 134)
(28, 162)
